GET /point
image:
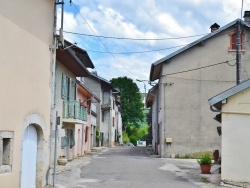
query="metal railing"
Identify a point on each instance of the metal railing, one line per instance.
(73, 109)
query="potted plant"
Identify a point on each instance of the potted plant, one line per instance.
(205, 163)
(62, 160)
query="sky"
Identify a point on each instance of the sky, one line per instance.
(124, 28)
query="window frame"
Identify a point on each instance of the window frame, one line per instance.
(231, 44)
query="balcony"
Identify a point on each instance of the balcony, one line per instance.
(73, 112)
(106, 105)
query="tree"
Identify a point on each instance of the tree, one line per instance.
(130, 101)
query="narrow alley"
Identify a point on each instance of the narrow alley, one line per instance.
(128, 167)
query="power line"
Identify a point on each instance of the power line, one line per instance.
(200, 80)
(126, 38)
(146, 51)
(100, 39)
(227, 62)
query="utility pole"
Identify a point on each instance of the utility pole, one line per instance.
(238, 53)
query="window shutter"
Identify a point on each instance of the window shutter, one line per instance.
(64, 86)
(75, 91)
(69, 89)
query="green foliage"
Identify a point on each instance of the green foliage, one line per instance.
(133, 139)
(97, 133)
(125, 137)
(142, 131)
(205, 160)
(130, 100)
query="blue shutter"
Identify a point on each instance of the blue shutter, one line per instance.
(69, 89)
(64, 86)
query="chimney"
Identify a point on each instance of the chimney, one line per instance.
(247, 17)
(94, 73)
(214, 27)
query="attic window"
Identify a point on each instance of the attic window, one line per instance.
(232, 46)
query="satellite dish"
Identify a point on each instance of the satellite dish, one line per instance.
(61, 36)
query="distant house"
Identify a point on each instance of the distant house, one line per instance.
(152, 103)
(85, 133)
(234, 107)
(109, 121)
(27, 57)
(72, 101)
(187, 78)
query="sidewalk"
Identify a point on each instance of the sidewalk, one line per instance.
(192, 168)
(80, 160)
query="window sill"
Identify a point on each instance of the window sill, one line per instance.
(5, 169)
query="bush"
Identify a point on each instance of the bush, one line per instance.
(125, 137)
(205, 160)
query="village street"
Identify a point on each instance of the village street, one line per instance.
(129, 167)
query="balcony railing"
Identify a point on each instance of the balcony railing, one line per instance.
(72, 109)
(106, 105)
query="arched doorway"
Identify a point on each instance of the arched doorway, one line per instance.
(29, 158)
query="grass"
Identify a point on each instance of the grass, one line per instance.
(196, 155)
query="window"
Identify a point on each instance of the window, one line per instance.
(113, 121)
(69, 88)
(102, 115)
(6, 151)
(232, 46)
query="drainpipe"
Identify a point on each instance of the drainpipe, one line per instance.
(52, 48)
(55, 154)
(157, 118)
(238, 53)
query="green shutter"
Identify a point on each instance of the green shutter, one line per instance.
(69, 89)
(64, 86)
(75, 92)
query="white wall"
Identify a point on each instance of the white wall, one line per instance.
(235, 147)
(25, 76)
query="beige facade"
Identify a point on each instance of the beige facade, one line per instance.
(71, 105)
(234, 107)
(26, 78)
(202, 69)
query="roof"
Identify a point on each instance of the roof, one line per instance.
(80, 54)
(102, 80)
(88, 93)
(156, 66)
(151, 95)
(71, 61)
(216, 101)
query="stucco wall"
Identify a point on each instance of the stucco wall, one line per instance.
(186, 115)
(235, 147)
(235, 138)
(25, 75)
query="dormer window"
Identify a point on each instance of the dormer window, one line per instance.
(232, 46)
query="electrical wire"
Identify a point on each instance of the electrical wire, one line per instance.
(227, 62)
(200, 80)
(146, 51)
(126, 38)
(100, 39)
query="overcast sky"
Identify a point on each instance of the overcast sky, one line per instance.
(141, 19)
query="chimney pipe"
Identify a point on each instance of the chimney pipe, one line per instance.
(247, 16)
(214, 27)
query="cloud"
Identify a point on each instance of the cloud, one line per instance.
(141, 19)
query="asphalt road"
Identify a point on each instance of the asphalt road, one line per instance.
(125, 167)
